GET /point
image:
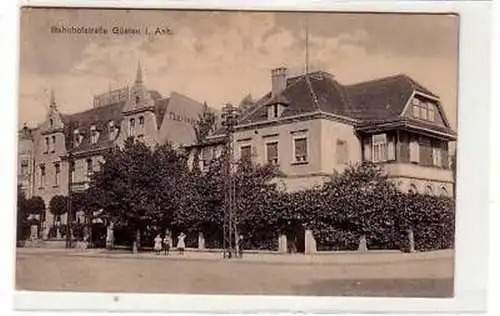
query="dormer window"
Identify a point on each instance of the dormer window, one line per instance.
(47, 145)
(112, 130)
(77, 138)
(423, 110)
(51, 122)
(137, 100)
(94, 134)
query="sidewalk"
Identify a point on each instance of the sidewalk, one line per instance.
(272, 258)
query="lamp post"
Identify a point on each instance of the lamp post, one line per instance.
(69, 230)
(229, 121)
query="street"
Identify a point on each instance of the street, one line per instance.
(205, 273)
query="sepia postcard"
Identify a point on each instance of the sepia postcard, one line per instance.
(237, 152)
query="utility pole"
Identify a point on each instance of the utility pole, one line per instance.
(230, 243)
(69, 231)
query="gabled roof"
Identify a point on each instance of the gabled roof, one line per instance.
(375, 100)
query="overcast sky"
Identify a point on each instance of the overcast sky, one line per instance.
(220, 57)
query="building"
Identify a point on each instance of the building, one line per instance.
(114, 116)
(312, 125)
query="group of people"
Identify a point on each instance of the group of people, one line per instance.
(164, 244)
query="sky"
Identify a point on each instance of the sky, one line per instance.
(221, 57)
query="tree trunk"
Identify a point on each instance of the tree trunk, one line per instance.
(137, 241)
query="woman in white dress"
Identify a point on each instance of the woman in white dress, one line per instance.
(157, 245)
(180, 243)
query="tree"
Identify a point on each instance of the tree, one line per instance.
(58, 206)
(36, 206)
(137, 187)
(359, 201)
(22, 216)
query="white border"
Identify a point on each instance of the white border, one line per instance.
(472, 188)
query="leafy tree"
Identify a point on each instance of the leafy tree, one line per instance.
(58, 206)
(36, 206)
(359, 201)
(22, 216)
(137, 187)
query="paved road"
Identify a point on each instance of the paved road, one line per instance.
(423, 275)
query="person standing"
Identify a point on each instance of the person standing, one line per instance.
(157, 244)
(180, 243)
(166, 244)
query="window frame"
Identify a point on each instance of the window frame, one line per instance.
(380, 148)
(241, 151)
(294, 149)
(57, 174)
(266, 152)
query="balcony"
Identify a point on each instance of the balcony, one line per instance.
(406, 170)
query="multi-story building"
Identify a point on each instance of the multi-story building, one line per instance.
(114, 116)
(311, 125)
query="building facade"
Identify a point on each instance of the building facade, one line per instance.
(311, 126)
(135, 111)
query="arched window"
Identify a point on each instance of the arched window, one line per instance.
(413, 189)
(137, 100)
(428, 190)
(51, 123)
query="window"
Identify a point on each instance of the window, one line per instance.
(300, 149)
(24, 167)
(272, 152)
(273, 111)
(94, 134)
(132, 127)
(137, 100)
(57, 179)
(90, 169)
(206, 157)
(430, 112)
(436, 156)
(423, 110)
(53, 144)
(51, 123)
(47, 145)
(42, 176)
(246, 152)
(379, 144)
(428, 190)
(341, 151)
(414, 151)
(72, 170)
(141, 124)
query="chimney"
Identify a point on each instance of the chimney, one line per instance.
(278, 80)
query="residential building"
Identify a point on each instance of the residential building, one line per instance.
(114, 116)
(311, 126)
